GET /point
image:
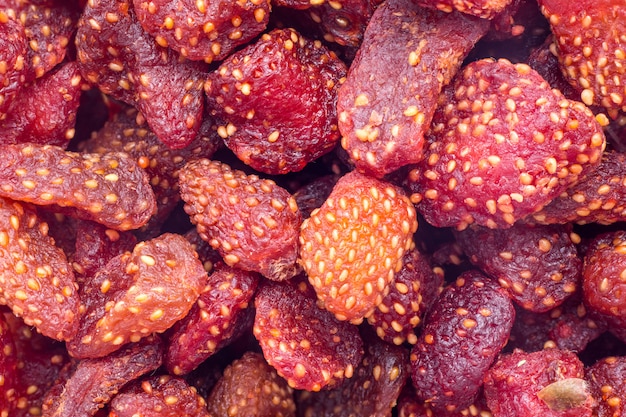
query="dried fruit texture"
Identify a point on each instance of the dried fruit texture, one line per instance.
(8, 370)
(353, 245)
(604, 289)
(207, 255)
(159, 396)
(45, 111)
(591, 48)
(307, 345)
(12, 57)
(213, 321)
(410, 406)
(251, 387)
(402, 310)
(37, 281)
(607, 381)
(314, 194)
(203, 30)
(128, 132)
(373, 389)
(390, 94)
(470, 322)
(122, 60)
(276, 101)
(252, 222)
(537, 265)
(487, 9)
(502, 145)
(599, 197)
(138, 293)
(544, 383)
(93, 382)
(109, 189)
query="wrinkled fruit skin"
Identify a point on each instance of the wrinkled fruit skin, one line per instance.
(607, 379)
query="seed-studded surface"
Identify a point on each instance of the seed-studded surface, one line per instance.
(312, 195)
(159, 396)
(352, 246)
(591, 48)
(215, 319)
(37, 281)
(252, 222)
(93, 382)
(487, 9)
(390, 94)
(45, 111)
(502, 146)
(137, 294)
(12, 58)
(537, 265)
(117, 56)
(410, 406)
(607, 381)
(544, 383)
(604, 289)
(8, 370)
(307, 345)
(372, 391)
(203, 30)
(402, 310)
(251, 387)
(599, 197)
(109, 189)
(275, 101)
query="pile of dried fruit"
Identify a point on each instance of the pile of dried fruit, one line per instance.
(211, 208)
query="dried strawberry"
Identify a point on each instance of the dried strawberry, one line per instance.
(607, 381)
(138, 293)
(8, 370)
(252, 222)
(37, 281)
(159, 396)
(352, 246)
(13, 50)
(251, 387)
(390, 94)
(207, 255)
(109, 189)
(545, 383)
(307, 345)
(275, 101)
(502, 146)
(591, 48)
(410, 406)
(487, 9)
(312, 195)
(218, 316)
(470, 322)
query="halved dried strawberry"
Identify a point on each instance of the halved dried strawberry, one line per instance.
(252, 222)
(352, 246)
(502, 145)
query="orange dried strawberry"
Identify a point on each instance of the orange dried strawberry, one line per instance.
(353, 245)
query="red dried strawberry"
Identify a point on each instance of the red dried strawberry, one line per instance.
(353, 245)
(13, 49)
(607, 380)
(8, 370)
(487, 9)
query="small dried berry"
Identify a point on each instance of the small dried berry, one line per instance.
(13, 50)
(607, 381)
(410, 406)
(109, 189)
(252, 222)
(390, 94)
(353, 245)
(251, 387)
(307, 345)
(487, 9)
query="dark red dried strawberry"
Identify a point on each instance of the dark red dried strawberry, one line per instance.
(607, 381)
(252, 222)
(110, 189)
(37, 282)
(13, 49)
(545, 383)
(352, 246)
(410, 406)
(487, 9)
(470, 322)
(9, 381)
(502, 145)
(159, 396)
(276, 101)
(390, 94)
(251, 387)
(219, 316)
(307, 345)
(137, 294)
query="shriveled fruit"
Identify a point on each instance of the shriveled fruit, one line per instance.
(607, 381)
(353, 245)
(312, 195)
(487, 9)
(8, 370)
(307, 345)
(251, 387)
(13, 50)
(502, 145)
(470, 322)
(110, 189)
(252, 222)
(390, 94)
